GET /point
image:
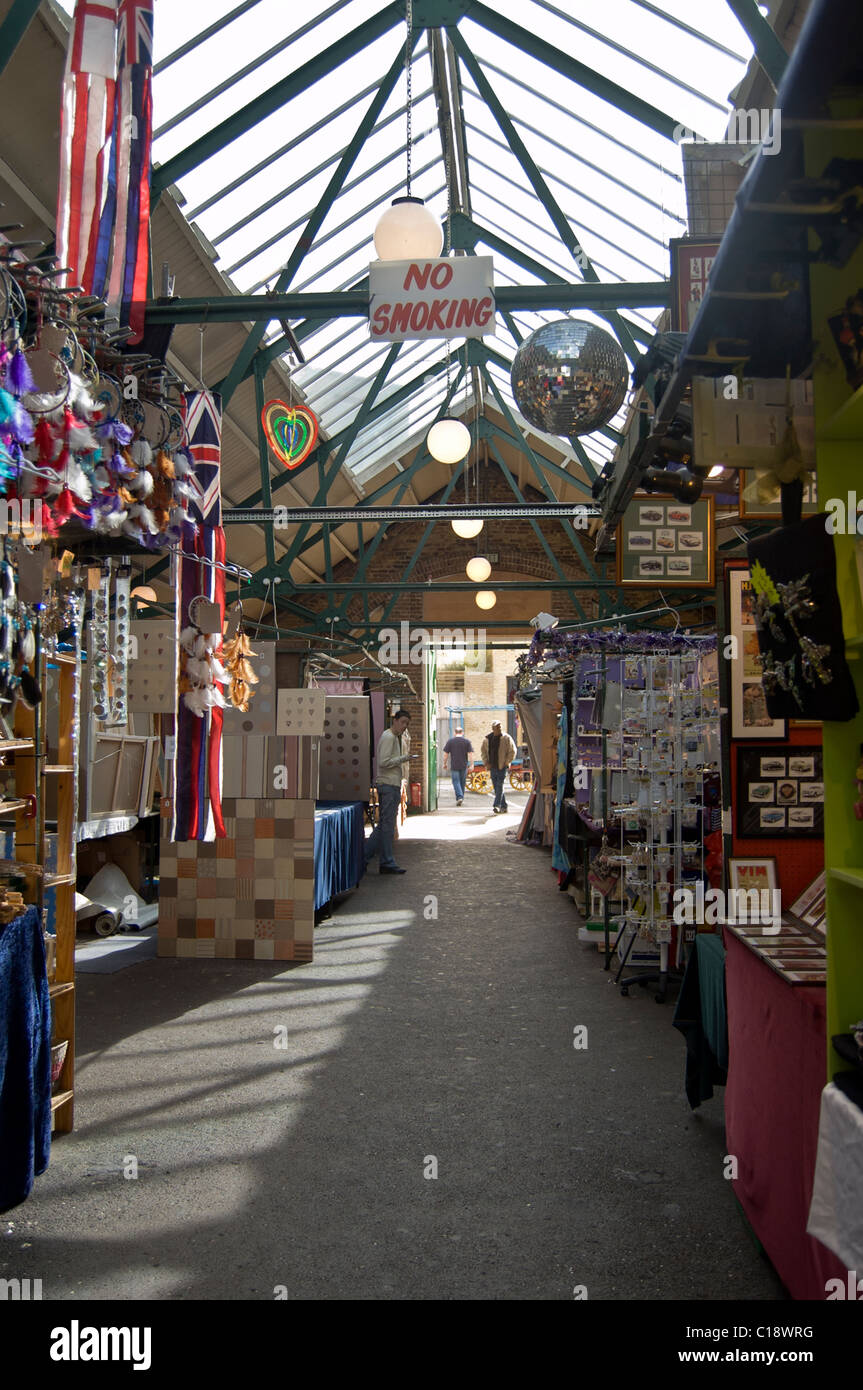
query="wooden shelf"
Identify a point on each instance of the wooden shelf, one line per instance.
(59, 880)
(11, 745)
(60, 1099)
(63, 658)
(847, 421)
(58, 767)
(66, 987)
(7, 807)
(847, 875)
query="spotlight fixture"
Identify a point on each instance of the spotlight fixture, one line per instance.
(680, 482)
(542, 621)
(486, 599)
(478, 569)
(467, 529)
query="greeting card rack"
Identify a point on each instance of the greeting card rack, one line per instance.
(645, 746)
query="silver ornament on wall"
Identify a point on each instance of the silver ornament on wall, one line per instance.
(569, 377)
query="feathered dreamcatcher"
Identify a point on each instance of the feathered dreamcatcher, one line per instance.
(236, 651)
(202, 673)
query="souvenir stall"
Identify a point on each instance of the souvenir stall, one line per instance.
(638, 788)
(92, 471)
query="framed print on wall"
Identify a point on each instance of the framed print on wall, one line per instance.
(749, 716)
(780, 795)
(753, 873)
(662, 543)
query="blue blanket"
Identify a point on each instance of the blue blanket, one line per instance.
(25, 1058)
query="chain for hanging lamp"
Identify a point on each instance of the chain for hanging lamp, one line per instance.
(409, 67)
(408, 231)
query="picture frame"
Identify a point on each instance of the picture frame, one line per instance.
(811, 906)
(665, 544)
(759, 873)
(779, 792)
(749, 716)
(692, 259)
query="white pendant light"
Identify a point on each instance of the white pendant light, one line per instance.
(478, 569)
(486, 599)
(467, 529)
(448, 440)
(408, 231)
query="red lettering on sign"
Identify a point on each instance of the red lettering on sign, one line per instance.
(419, 317)
(441, 275)
(380, 319)
(436, 315)
(400, 321)
(484, 312)
(417, 276)
(466, 311)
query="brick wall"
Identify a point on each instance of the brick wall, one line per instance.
(445, 555)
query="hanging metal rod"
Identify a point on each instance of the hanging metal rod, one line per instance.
(453, 586)
(338, 516)
(332, 304)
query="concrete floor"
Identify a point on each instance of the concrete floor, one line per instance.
(409, 1039)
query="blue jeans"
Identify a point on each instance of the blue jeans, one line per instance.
(381, 839)
(458, 775)
(498, 779)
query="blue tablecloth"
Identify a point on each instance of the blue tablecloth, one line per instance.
(339, 857)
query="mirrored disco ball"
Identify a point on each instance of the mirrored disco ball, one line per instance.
(569, 377)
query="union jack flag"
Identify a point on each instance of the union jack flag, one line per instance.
(204, 430)
(117, 214)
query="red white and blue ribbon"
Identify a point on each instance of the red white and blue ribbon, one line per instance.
(198, 760)
(87, 126)
(103, 212)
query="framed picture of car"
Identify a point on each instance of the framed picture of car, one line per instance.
(780, 795)
(663, 544)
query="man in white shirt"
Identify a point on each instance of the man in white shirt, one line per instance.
(393, 759)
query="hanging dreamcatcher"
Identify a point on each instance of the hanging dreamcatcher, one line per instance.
(236, 651)
(202, 673)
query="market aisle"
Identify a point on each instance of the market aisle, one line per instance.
(411, 1038)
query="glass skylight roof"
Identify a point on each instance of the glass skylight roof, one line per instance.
(616, 179)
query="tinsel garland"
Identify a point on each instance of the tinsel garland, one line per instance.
(552, 649)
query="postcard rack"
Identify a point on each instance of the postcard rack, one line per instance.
(645, 752)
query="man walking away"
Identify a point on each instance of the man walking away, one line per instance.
(457, 750)
(393, 765)
(498, 751)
